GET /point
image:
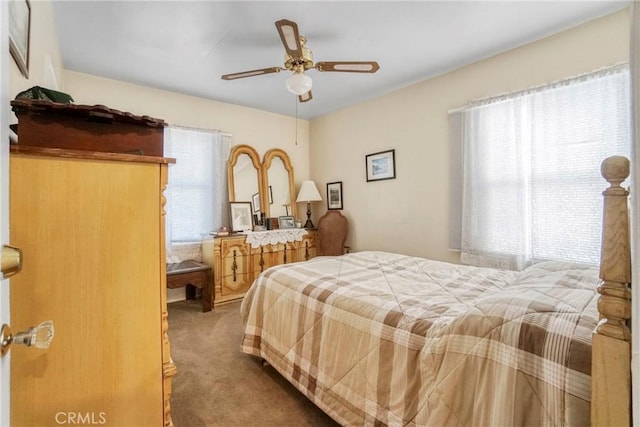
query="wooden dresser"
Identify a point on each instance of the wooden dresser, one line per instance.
(236, 264)
(91, 228)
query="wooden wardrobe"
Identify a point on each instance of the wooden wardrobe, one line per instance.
(91, 228)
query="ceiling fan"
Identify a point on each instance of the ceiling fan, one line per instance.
(299, 58)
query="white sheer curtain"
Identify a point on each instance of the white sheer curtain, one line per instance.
(531, 187)
(196, 195)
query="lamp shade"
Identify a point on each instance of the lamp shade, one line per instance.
(299, 84)
(308, 192)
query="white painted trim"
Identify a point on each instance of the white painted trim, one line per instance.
(5, 361)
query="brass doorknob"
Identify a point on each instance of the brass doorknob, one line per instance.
(11, 261)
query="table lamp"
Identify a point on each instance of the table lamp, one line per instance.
(308, 193)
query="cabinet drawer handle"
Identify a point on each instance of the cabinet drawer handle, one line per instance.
(261, 262)
(234, 266)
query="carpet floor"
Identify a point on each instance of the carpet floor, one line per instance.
(218, 385)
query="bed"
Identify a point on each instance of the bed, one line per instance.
(376, 338)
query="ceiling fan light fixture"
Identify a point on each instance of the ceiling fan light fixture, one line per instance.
(298, 58)
(299, 84)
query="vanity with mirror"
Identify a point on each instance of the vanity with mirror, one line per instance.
(268, 186)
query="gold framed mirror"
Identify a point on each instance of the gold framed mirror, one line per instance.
(245, 177)
(279, 187)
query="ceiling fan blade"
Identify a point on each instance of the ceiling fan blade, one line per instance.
(251, 73)
(288, 31)
(305, 97)
(349, 66)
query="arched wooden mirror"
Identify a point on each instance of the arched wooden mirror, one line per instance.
(245, 176)
(279, 187)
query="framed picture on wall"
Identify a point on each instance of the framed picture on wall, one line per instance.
(334, 195)
(19, 33)
(381, 165)
(241, 217)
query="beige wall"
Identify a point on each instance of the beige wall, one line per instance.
(248, 126)
(257, 128)
(410, 213)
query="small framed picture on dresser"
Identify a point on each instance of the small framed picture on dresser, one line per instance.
(286, 222)
(241, 217)
(334, 195)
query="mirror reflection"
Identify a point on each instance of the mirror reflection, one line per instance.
(245, 176)
(279, 182)
(244, 173)
(279, 197)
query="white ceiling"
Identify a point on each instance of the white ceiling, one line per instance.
(185, 46)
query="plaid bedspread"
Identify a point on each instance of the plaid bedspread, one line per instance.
(375, 338)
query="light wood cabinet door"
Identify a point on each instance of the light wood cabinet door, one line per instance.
(262, 258)
(307, 247)
(236, 268)
(90, 231)
(289, 253)
(267, 256)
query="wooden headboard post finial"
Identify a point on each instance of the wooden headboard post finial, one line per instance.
(611, 353)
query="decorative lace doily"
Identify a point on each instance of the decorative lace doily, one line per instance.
(261, 238)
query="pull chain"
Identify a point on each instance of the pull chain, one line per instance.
(296, 100)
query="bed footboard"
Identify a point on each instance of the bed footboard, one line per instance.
(611, 353)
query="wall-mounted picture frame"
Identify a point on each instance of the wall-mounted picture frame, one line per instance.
(334, 195)
(256, 202)
(241, 216)
(381, 165)
(286, 222)
(20, 33)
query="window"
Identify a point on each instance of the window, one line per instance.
(197, 189)
(531, 185)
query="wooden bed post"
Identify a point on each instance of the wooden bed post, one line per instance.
(611, 353)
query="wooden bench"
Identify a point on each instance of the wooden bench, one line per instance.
(191, 275)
